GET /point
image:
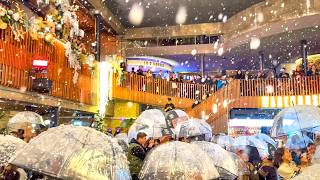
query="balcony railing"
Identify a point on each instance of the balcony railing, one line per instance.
(279, 93)
(16, 64)
(164, 87)
(280, 87)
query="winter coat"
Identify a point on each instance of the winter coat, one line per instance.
(287, 171)
(267, 171)
(136, 155)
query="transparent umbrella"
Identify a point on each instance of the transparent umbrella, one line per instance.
(23, 119)
(152, 122)
(9, 145)
(266, 139)
(244, 141)
(205, 129)
(188, 129)
(316, 156)
(123, 141)
(70, 152)
(242, 166)
(222, 159)
(178, 160)
(223, 140)
(310, 173)
(298, 141)
(296, 119)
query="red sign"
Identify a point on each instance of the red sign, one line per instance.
(40, 64)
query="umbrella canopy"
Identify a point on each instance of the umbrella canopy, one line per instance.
(9, 145)
(152, 122)
(205, 129)
(188, 129)
(223, 140)
(298, 141)
(316, 156)
(243, 141)
(23, 119)
(266, 139)
(174, 117)
(178, 160)
(296, 119)
(74, 152)
(242, 166)
(310, 173)
(222, 159)
(123, 141)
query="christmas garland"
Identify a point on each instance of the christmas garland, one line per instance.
(61, 22)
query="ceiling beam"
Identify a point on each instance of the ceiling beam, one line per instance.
(173, 31)
(107, 16)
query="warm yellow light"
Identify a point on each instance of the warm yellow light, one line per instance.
(214, 108)
(279, 102)
(315, 100)
(273, 102)
(293, 101)
(286, 101)
(308, 100)
(300, 100)
(265, 101)
(203, 114)
(130, 104)
(225, 103)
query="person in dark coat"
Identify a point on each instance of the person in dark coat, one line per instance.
(169, 106)
(239, 75)
(136, 154)
(267, 171)
(283, 73)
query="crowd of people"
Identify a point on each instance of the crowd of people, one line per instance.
(283, 164)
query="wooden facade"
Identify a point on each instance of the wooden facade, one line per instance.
(16, 66)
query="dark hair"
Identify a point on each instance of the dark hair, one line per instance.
(169, 99)
(310, 144)
(278, 157)
(141, 135)
(132, 68)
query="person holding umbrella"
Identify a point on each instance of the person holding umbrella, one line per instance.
(283, 161)
(136, 154)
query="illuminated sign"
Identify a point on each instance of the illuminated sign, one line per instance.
(39, 63)
(287, 101)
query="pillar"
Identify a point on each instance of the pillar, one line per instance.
(97, 17)
(202, 65)
(304, 55)
(261, 61)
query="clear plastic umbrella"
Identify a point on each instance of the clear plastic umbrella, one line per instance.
(70, 152)
(296, 119)
(242, 166)
(152, 122)
(188, 129)
(178, 160)
(205, 129)
(123, 141)
(298, 141)
(222, 159)
(243, 141)
(23, 119)
(9, 145)
(310, 173)
(316, 156)
(266, 139)
(223, 140)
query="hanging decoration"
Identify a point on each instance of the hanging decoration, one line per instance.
(60, 24)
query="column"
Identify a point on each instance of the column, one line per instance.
(97, 17)
(261, 61)
(304, 55)
(202, 65)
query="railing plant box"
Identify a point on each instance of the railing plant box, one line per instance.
(42, 85)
